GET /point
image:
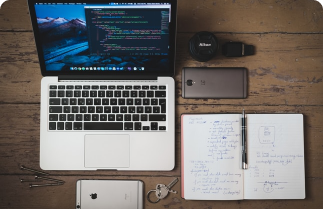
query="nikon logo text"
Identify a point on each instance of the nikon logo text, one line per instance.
(204, 44)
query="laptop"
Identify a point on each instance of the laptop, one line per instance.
(107, 92)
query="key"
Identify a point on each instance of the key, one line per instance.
(162, 190)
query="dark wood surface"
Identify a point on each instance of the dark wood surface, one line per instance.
(285, 76)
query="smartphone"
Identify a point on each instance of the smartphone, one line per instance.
(102, 194)
(217, 83)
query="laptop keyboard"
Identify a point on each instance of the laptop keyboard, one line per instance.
(107, 107)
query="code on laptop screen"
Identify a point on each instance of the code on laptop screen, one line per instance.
(103, 37)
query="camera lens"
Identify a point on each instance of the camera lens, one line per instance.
(189, 82)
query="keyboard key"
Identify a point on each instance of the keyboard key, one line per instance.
(142, 94)
(99, 109)
(117, 94)
(105, 101)
(143, 117)
(154, 101)
(77, 93)
(83, 109)
(129, 101)
(61, 94)
(162, 127)
(95, 117)
(73, 101)
(62, 117)
(112, 87)
(69, 93)
(103, 125)
(81, 101)
(78, 87)
(157, 117)
(64, 101)
(85, 93)
(103, 87)
(87, 117)
(162, 103)
(146, 102)
(120, 87)
(153, 87)
(145, 87)
(54, 101)
(134, 93)
(86, 87)
(93, 93)
(150, 94)
(119, 117)
(109, 93)
(103, 117)
(101, 93)
(91, 109)
(55, 109)
(162, 87)
(137, 126)
(97, 101)
(52, 93)
(79, 117)
(136, 87)
(53, 117)
(61, 87)
(125, 93)
(140, 109)
(70, 117)
(95, 87)
(111, 117)
(89, 101)
(60, 126)
(160, 93)
(128, 126)
(147, 109)
(67, 109)
(69, 87)
(145, 128)
(156, 109)
(135, 117)
(68, 126)
(52, 87)
(52, 126)
(77, 126)
(115, 109)
(107, 109)
(123, 109)
(128, 87)
(153, 126)
(113, 101)
(131, 109)
(75, 109)
(127, 117)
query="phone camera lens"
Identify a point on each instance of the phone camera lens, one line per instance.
(189, 82)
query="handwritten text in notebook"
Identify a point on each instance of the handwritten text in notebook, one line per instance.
(214, 145)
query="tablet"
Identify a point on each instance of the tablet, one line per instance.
(99, 194)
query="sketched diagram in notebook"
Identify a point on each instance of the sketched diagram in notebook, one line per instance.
(266, 134)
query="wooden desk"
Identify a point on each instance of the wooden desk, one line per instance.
(285, 76)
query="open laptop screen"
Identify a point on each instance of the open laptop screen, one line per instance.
(102, 37)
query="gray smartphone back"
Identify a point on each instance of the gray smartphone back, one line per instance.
(217, 83)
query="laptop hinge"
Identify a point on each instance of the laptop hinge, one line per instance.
(107, 77)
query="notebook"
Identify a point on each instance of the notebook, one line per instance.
(107, 92)
(212, 157)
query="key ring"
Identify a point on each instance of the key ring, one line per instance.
(148, 196)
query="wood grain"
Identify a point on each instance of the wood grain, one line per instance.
(285, 76)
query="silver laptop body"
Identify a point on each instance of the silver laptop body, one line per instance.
(107, 102)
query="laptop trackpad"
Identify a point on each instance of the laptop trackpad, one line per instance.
(107, 151)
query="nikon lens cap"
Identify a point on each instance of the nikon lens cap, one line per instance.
(203, 46)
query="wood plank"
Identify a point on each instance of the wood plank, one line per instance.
(216, 16)
(286, 69)
(20, 137)
(64, 196)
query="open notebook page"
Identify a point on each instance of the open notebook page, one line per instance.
(211, 145)
(275, 157)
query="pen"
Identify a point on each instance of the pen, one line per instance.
(244, 145)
